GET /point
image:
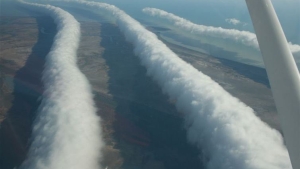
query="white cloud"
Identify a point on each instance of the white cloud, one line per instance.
(233, 21)
(66, 132)
(244, 37)
(226, 131)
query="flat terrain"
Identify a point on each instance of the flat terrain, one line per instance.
(17, 37)
(142, 129)
(93, 65)
(141, 126)
(25, 41)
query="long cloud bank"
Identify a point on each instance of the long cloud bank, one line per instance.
(66, 132)
(227, 132)
(244, 37)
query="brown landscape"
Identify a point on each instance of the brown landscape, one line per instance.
(132, 107)
(141, 126)
(17, 37)
(23, 51)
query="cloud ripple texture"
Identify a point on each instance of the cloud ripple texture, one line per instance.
(227, 132)
(66, 132)
(244, 37)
